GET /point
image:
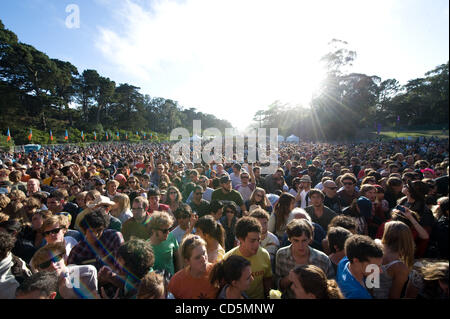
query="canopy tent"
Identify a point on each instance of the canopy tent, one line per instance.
(32, 147)
(293, 139)
(280, 138)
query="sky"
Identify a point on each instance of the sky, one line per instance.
(232, 58)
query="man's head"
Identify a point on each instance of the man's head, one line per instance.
(306, 181)
(57, 200)
(317, 197)
(336, 238)
(300, 233)
(343, 221)
(349, 182)
(41, 285)
(263, 217)
(183, 214)
(93, 224)
(154, 195)
(51, 257)
(136, 257)
(245, 178)
(362, 251)
(33, 186)
(248, 232)
(368, 191)
(225, 183)
(159, 225)
(329, 188)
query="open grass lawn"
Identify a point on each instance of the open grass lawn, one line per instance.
(415, 134)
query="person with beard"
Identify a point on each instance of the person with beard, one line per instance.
(226, 193)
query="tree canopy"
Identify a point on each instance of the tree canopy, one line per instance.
(349, 103)
(48, 94)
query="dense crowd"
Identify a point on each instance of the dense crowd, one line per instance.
(119, 220)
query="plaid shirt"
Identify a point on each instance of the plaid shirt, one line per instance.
(285, 262)
(103, 253)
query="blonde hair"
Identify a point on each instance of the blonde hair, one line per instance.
(124, 204)
(160, 220)
(398, 237)
(61, 220)
(47, 252)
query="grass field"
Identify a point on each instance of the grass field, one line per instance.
(414, 134)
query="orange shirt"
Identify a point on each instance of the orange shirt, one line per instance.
(184, 286)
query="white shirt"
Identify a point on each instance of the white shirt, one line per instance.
(271, 244)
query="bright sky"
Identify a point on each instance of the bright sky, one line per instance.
(232, 58)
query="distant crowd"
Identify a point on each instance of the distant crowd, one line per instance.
(124, 221)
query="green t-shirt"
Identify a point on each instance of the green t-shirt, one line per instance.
(164, 253)
(261, 268)
(233, 196)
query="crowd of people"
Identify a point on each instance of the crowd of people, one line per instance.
(124, 221)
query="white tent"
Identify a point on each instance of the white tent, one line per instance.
(280, 138)
(293, 139)
(196, 138)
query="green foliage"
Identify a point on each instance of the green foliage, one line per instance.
(349, 105)
(43, 93)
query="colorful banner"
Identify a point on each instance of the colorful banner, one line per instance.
(8, 135)
(66, 136)
(51, 135)
(30, 135)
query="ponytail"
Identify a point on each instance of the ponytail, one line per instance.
(333, 290)
(217, 275)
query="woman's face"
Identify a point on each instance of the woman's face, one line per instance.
(54, 234)
(198, 260)
(297, 287)
(245, 280)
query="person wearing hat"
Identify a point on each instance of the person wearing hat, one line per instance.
(331, 199)
(302, 196)
(104, 204)
(226, 193)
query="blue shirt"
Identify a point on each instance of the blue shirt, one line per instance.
(350, 287)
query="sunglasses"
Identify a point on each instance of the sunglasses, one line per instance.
(198, 193)
(229, 211)
(47, 264)
(348, 183)
(165, 231)
(53, 231)
(333, 188)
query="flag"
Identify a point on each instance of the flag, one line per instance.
(51, 135)
(144, 135)
(8, 135)
(137, 134)
(151, 135)
(95, 136)
(30, 135)
(126, 136)
(106, 134)
(117, 134)
(82, 135)
(66, 136)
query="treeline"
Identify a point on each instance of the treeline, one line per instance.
(348, 104)
(43, 93)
